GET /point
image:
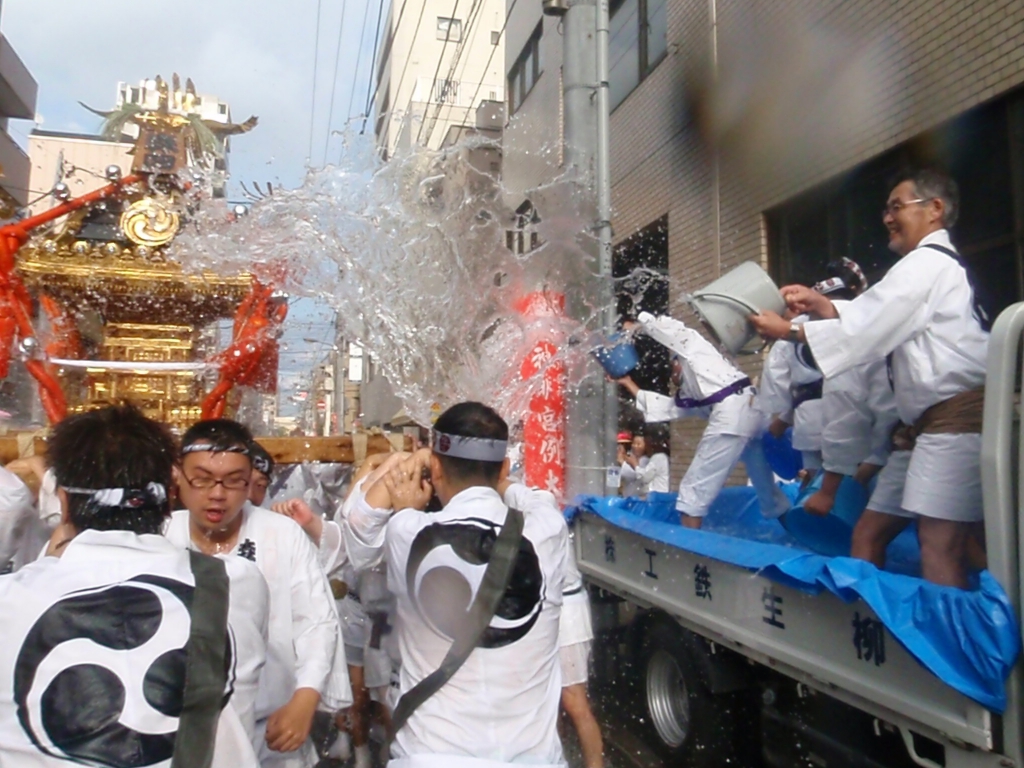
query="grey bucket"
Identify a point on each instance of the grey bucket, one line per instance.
(724, 305)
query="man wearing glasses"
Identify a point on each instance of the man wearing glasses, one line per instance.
(928, 320)
(305, 657)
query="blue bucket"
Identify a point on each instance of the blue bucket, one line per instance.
(785, 460)
(616, 356)
(829, 535)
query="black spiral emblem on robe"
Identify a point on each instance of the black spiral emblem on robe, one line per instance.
(446, 564)
(101, 674)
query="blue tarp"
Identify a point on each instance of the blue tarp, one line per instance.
(969, 639)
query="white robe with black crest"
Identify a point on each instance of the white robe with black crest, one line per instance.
(304, 644)
(96, 638)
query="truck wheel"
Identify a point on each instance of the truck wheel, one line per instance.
(686, 722)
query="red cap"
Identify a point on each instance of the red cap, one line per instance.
(624, 437)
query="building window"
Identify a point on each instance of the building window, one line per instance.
(640, 272)
(843, 217)
(446, 92)
(449, 30)
(495, 37)
(355, 362)
(135, 96)
(637, 43)
(523, 238)
(222, 109)
(526, 71)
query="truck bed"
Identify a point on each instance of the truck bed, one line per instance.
(837, 646)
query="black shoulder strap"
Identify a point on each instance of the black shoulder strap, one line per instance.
(205, 665)
(492, 588)
(984, 307)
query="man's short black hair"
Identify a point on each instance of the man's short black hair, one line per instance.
(932, 183)
(113, 447)
(471, 420)
(221, 434)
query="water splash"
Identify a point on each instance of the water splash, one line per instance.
(414, 257)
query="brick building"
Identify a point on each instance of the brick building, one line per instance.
(766, 130)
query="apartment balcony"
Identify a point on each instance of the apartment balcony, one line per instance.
(18, 88)
(14, 172)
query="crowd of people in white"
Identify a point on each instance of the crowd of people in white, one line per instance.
(441, 603)
(140, 634)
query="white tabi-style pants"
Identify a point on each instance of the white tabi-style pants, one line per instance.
(714, 461)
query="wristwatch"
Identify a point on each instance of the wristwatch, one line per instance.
(793, 334)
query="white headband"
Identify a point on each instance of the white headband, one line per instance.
(152, 495)
(211, 448)
(472, 448)
(261, 464)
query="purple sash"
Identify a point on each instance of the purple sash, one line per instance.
(735, 388)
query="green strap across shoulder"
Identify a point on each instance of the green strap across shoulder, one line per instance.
(205, 667)
(495, 581)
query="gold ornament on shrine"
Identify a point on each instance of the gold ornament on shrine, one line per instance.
(148, 222)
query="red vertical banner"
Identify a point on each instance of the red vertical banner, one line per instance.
(544, 422)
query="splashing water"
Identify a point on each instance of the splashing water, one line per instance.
(413, 256)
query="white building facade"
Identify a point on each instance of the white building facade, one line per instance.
(438, 62)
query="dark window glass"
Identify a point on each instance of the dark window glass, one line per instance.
(637, 42)
(526, 71)
(640, 271)
(843, 217)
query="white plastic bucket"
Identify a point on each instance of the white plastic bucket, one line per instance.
(724, 305)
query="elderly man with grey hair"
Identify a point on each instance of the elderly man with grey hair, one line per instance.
(928, 320)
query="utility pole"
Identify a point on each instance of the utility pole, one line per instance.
(593, 416)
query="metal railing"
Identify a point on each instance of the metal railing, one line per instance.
(1001, 468)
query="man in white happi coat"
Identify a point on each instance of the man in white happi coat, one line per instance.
(790, 393)
(22, 534)
(359, 595)
(501, 706)
(858, 419)
(306, 661)
(791, 387)
(97, 632)
(712, 387)
(928, 320)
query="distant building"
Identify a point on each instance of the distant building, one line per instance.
(53, 155)
(434, 70)
(85, 156)
(18, 91)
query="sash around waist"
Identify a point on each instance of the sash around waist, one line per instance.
(961, 414)
(692, 402)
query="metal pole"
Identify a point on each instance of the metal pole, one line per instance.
(604, 223)
(587, 433)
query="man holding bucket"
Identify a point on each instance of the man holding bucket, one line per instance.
(926, 318)
(712, 387)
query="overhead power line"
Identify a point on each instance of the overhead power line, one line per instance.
(373, 65)
(487, 66)
(437, 69)
(359, 58)
(316, 57)
(388, 49)
(334, 79)
(471, 17)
